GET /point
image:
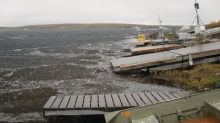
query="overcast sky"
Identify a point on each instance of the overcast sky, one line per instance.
(173, 12)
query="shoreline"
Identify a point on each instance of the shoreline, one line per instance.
(189, 78)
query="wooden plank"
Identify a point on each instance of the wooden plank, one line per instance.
(186, 93)
(166, 67)
(57, 102)
(183, 93)
(49, 102)
(79, 101)
(94, 102)
(144, 61)
(157, 97)
(86, 103)
(124, 100)
(141, 50)
(131, 100)
(170, 95)
(72, 101)
(116, 100)
(152, 99)
(180, 93)
(64, 102)
(145, 99)
(138, 99)
(102, 103)
(165, 97)
(109, 101)
(175, 94)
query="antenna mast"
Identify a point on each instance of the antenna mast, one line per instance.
(160, 21)
(200, 29)
(197, 15)
(161, 34)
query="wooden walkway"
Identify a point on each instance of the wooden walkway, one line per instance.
(100, 104)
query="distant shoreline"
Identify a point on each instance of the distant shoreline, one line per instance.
(88, 26)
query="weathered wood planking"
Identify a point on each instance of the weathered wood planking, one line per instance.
(152, 99)
(86, 103)
(108, 101)
(186, 93)
(102, 103)
(131, 100)
(72, 102)
(181, 94)
(116, 100)
(57, 102)
(124, 100)
(138, 99)
(79, 101)
(176, 95)
(94, 102)
(157, 97)
(170, 95)
(145, 99)
(165, 97)
(49, 102)
(64, 102)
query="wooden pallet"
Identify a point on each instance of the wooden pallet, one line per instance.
(102, 103)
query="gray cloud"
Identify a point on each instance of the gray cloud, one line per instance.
(175, 12)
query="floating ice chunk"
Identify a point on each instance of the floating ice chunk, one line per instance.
(56, 55)
(37, 53)
(8, 75)
(17, 50)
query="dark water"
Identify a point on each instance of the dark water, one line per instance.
(72, 61)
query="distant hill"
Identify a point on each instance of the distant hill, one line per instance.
(3, 27)
(210, 26)
(87, 26)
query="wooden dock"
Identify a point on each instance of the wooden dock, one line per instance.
(166, 57)
(184, 64)
(102, 103)
(151, 49)
(162, 42)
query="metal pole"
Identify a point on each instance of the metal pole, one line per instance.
(197, 15)
(159, 20)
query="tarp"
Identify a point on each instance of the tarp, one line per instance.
(185, 27)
